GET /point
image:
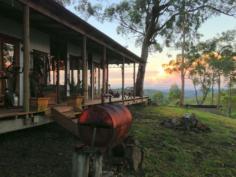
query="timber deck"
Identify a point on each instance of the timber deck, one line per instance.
(129, 101)
(14, 119)
(8, 113)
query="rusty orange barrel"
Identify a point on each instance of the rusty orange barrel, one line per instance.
(104, 125)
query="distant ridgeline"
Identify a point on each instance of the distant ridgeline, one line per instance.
(151, 92)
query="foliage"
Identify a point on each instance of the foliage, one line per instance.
(206, 62)
(200, 75)
(226, 63)
(174, 66)
(150, 20)
(225, 103)
(223, 109)
(159, 98)
(174, 93)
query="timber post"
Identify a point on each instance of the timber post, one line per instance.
(66, 75)
(123, 79)
(85, 69)
(92, 78)
(78, 78)
(97, 165)
(107, 76)
(134, 81)
(26, 30)
(104, 75)
(1, 89)
(81, 166)
(58, 78)
(99, 81)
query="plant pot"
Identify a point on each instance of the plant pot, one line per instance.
(76, 102)
(52, 98)
(39, 104)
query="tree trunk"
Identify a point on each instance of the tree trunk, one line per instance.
(141, 70)
(196, 95)
(205, 93)
(219, 94)
(212, 90)
(181, 102)
(229, 98)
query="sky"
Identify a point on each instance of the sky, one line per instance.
(155, 77)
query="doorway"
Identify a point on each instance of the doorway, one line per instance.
(9, 68)
(75, 75)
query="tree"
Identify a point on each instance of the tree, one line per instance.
(205, 51)
(213, 62)
(150, 20)
(174, 93)
(229, 73)
(159, 98)
(217, 66)
(204, 59)
(200, 75)
(178, 65)
(186, 29)
(221, 46)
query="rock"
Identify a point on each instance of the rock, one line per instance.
(188, 122)
(176, 122)
(167, 123)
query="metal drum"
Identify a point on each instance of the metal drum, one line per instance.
(104, 125)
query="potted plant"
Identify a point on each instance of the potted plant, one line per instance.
(38, 101)
(75, 99)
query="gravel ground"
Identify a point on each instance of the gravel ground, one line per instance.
(39, 152)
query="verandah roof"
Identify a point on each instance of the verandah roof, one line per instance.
(77, 26)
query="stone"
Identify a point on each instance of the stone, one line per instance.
(188, 122)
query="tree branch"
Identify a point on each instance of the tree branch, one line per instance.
(125, 25)
(223, 12)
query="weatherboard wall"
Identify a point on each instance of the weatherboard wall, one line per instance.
(38, 41)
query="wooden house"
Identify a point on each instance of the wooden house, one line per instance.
(49, 53)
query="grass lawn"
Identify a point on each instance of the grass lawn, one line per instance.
(172, 153)
(224, 103)
(47, 151)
